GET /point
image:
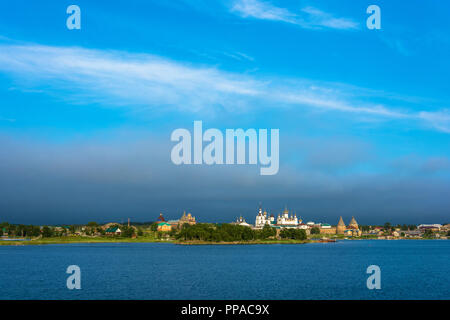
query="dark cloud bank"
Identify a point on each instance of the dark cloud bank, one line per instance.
(101, 181)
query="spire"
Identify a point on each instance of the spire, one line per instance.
(341, 222)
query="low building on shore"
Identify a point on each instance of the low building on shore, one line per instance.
(164, 227)
(162, 224)
(433, 227)
(396, 234)
(326, 228)
(173, 223)
(241, 222)
(412, 233)
(113, 231)
(185, 218)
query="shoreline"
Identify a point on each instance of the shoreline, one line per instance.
(78, 240)
(202, 243)
(106, 241)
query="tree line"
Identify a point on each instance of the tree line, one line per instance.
(32, 231)
(232, 232)
(20, 230)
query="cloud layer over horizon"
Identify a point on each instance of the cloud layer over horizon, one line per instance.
(91, 179)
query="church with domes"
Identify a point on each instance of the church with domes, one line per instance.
(262, 218)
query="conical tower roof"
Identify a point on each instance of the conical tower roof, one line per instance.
(353, 222)
(341, 222)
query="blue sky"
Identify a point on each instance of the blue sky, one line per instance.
(86, 115)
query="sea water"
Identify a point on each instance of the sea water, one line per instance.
(410, 269)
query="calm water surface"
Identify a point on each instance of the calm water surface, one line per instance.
(411, 269)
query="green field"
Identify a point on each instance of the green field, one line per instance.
(80, 239)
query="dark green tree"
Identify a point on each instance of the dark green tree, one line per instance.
(297, 234)
(47, 232)
(213, 232)
(268, 232)
(428, 234)
(127, 232)
(365, 228)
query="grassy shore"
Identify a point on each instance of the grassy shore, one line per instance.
(79, 239)
(198, 242)
(147, 239)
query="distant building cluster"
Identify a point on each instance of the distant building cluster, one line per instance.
(290, 220)
(287, 219)
(163, 225)
(284, 220)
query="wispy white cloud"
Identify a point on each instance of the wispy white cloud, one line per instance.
(397, 45)
(7, 119)
(438, 119)
(239, 56)
(119, 78)
(263, 10)
(308, 17)
(317, 17)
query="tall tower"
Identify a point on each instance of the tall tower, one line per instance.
(340, 229)
(260, 218)
(353, 224)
